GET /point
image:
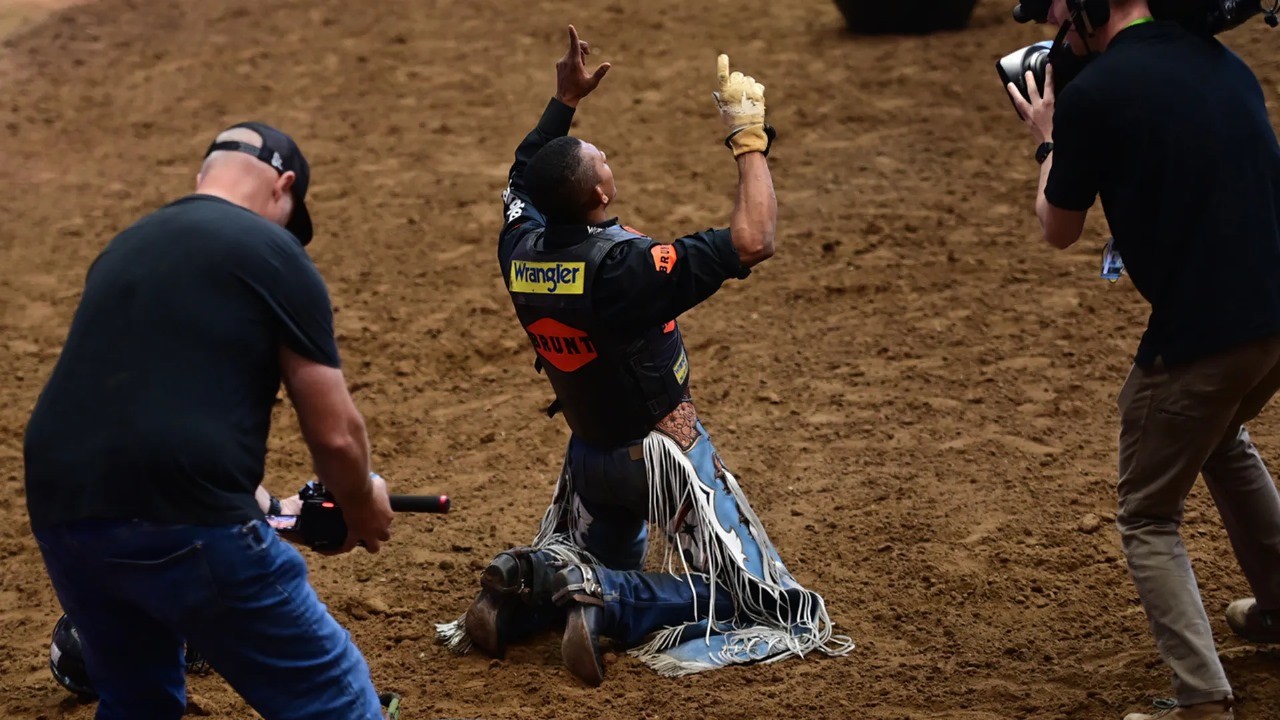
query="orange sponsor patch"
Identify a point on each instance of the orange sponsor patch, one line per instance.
(565, 348)
(664, 258)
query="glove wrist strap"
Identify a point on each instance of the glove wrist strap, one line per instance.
(769, 133)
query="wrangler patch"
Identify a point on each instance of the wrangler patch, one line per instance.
(564, 348)
(664, 258)
(547, 278)
(682, 367)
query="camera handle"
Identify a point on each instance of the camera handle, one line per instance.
(320, 526)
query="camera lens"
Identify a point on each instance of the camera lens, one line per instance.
(1037, 61)
(1013, 67)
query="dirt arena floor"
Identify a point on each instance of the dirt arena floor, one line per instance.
(917, 393)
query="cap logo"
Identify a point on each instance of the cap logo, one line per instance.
(277, 162)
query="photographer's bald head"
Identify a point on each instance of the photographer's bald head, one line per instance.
(261, 169)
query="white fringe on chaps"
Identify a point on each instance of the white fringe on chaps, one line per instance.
(775, 617)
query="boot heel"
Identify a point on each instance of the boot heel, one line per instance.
(486, 622)
(580, 647)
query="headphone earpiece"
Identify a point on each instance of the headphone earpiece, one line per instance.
(1092, 14)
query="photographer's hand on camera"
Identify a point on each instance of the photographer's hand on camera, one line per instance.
(1038, 112)
(335, 435)
(367, 513)
(272, 505)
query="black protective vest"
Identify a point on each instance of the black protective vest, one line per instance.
(612, 384)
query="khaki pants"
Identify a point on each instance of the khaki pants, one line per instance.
(1175, 424)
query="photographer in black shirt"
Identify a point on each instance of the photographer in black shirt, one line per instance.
(145, 452)
(1170, 129)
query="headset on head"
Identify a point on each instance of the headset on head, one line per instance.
(1089, 15)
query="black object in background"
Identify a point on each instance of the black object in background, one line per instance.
(905, 17)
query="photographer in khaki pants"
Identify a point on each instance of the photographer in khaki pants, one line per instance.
(1171, 130)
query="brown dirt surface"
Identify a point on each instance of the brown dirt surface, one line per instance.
(16, 15)
(917, 394)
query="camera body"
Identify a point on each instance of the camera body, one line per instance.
(1036, 59)
(320, 525)
(320, 521)
(1013, 68)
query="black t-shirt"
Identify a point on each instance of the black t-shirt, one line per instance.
(1171, 130)
(160, 404)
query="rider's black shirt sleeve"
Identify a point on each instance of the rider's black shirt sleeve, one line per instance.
(643, 283)
(519, 214)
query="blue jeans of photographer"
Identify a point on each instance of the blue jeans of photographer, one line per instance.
(239, 595)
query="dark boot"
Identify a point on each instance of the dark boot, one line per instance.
(576, 589)
(514, 601)
(390, 705)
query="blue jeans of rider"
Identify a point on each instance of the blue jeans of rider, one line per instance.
(138, 590)
(609, 520)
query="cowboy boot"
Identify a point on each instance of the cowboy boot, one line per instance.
(514, 601)
(576, 588)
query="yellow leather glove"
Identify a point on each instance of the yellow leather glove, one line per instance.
(741, 103)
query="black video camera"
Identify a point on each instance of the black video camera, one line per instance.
(1013, 68)
(1036, 59)
(319, 525)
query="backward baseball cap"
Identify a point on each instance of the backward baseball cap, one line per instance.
(280, 152)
